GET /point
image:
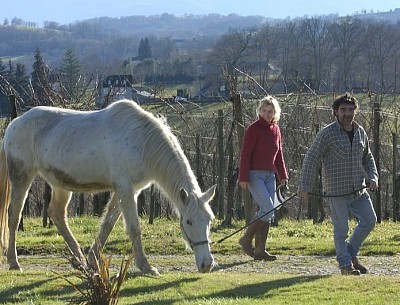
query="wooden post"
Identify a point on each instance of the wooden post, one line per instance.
(46, 198)
(315, 203)
(396, 191)
(221, 164)
(199, 172)
(231, 187)
(81, 204)
(240, 129)
(376, 148)
(152, 204)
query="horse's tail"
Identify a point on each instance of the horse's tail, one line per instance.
(4, 201)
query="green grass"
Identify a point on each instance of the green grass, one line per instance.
(164, 238)
(42, 285)
(45, 287)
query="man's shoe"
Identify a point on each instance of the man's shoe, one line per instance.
(349, 270)
(358, 266)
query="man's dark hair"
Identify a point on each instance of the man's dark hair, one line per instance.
(344, 99)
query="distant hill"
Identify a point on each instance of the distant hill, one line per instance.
(392, 16)
(167, 25)
(107, 41)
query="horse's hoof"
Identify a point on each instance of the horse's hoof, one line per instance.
(151, 271)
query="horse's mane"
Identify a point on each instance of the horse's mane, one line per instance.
(161, 151)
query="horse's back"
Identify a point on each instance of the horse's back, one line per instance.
(78, 150)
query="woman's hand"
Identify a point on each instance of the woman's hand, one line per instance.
(244, 185)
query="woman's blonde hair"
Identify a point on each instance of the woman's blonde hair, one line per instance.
(270, 100)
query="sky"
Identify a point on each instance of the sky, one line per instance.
(70, 11)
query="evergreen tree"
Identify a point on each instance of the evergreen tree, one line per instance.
(3, 73)
(144, 50)
(3, 68)
(40, 80)
(10, 74)
(21, 82)
(70, 73)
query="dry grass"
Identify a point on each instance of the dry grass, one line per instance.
(97, 286)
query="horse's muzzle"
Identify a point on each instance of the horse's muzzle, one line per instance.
(206, 268)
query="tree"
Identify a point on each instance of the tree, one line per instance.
(22, 82)
(266, 42)
(349, 37)
(3, 68)
(70, 73)
(231, 52)
(384, 43)
(144, 50)
(39, 79)
(318, 40)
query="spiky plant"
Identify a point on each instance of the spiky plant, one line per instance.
(96, 286)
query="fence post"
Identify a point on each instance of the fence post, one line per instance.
(199, 172)
(395, 187)
(240, 129)
(231, 186)
(315, 203)
(152, 205)
(376, 148)
(221, 164)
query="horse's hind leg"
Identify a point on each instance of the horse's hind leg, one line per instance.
(108, 221)
(19, 191)
(58, 213)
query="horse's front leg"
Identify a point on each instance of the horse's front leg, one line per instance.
(132, 226)
(108, 220)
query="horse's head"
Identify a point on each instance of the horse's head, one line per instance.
(195, 225)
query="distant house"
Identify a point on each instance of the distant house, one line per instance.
(118, 87)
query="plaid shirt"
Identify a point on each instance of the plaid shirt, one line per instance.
(344, 165)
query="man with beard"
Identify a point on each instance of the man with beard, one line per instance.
(348, 166)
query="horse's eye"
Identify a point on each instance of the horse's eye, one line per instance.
(189, 222)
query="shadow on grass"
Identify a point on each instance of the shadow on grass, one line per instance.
(13, 295)
(250, 291)
(163, 286)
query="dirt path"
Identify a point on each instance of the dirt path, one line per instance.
(305, 265)
(299, 265)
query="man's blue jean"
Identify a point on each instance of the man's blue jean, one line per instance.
(262, 188)
(362, 209)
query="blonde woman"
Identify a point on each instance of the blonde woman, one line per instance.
(261, 160)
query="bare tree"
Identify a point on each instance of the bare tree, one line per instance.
(318, 40)
(349, 37)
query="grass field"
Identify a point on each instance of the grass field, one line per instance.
(43, 249)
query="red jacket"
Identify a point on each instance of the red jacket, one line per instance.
(262, 150)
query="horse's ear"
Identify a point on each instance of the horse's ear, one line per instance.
(209, 194)
(184, 195)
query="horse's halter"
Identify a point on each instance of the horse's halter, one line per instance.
(192, 244)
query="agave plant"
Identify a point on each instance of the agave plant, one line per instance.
(97, 286)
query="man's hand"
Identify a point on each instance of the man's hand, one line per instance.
(373, 185)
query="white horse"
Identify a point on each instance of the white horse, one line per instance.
(122, 149)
